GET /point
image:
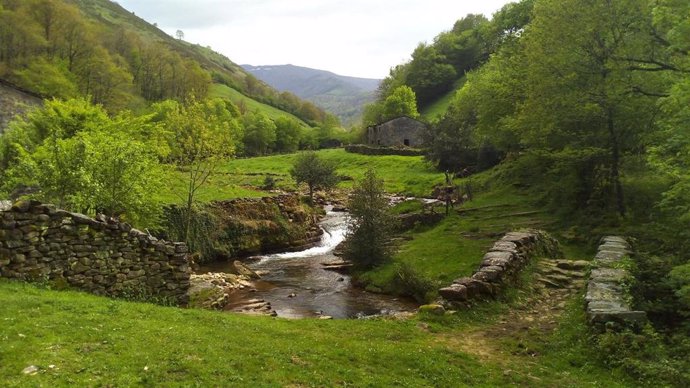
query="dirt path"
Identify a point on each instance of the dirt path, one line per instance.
(531, 320)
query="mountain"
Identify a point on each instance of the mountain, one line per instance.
(340, 95)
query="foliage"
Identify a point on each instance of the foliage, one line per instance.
(99, 50)
(401, 102)
(203, 230)
(368, 239)
(288, 134)
(259, 134)
(316, 172)
(204, 133)
(82, 160)
(642, 356)
(412, 283)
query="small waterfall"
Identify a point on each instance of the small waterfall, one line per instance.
(334, 227)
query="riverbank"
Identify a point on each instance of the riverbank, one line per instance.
(76, 339)
(299, 284)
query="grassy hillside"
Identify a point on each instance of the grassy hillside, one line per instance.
(438, 108)
(56, 56)
(228, 93)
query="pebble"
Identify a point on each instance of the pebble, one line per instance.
(30, 370)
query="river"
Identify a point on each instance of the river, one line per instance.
(297, 286)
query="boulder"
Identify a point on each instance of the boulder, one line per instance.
(243, 270)
(434, 309)
(454, 293)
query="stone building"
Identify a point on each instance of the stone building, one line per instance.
(400, 131)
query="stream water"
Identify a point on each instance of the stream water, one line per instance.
(297, 286)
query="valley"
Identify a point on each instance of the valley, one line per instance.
(508, 206)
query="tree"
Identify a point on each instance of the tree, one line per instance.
(259, 134)
(401, 102)
(371, 223)
(202, 140)
(583, 93)
(288, 134)
(316, 172)
(429, 74)
(82, 160)
(179, 34)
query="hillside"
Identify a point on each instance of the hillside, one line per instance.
(343, 96)
(96, 48)
(14, 101)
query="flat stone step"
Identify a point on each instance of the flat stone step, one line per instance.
(549, 283)
(553, 270)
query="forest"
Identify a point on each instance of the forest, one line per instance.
(70, 48)
(587, 104)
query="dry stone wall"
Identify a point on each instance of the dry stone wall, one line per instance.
(501, 264)
(608, 296)
(102, 256)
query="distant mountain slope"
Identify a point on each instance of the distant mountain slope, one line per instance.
(341, 95)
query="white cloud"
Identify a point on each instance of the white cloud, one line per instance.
(357, 37)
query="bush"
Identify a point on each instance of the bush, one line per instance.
(412, 283)
(371, 226)
(643, 356)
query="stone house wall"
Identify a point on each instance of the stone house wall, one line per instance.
(401, 131)
(101, 256)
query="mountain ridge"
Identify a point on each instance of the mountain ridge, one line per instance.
(343, 96)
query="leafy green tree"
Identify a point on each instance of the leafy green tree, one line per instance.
(582, 91)
(429, 74)
(50, 79)
(288, 134)
(259, 134)
(124, 176)
(202, 139)
(82, 160)
(315, 171)
(368, 240)
(401, 102)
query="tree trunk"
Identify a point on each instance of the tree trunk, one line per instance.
(615, 163)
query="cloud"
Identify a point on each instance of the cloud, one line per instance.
(355, 37)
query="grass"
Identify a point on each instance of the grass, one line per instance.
(77, 339)
(409, 175)
(401, 174)
(94, 341)
(228, 93)
(437, 108)
(455, 247)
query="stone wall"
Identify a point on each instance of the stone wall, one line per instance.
(102, 256)
(501, 264)
(377, 150)
(401, 131)
(608, 296)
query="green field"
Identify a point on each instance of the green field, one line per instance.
(409, 175)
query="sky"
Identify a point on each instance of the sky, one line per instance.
(360, 38)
